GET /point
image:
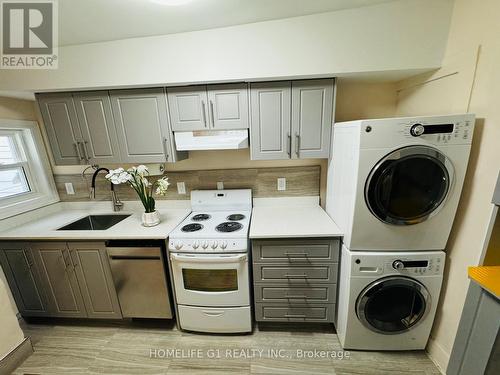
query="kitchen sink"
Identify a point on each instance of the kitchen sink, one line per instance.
(95, 222)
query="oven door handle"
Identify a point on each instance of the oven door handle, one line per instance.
(201, 259)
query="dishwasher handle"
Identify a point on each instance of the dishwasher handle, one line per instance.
(134, 252)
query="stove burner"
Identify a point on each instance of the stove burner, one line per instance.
(191, 227)
(235, 217)
(201, 217)
(228, 226)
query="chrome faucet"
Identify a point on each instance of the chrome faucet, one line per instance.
(117, 203)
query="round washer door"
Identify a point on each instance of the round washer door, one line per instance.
(408, 185)
(393, 305)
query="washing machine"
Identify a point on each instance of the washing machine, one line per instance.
(394, 184)
(387, 300)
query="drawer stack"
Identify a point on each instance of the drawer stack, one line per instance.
(295, 280)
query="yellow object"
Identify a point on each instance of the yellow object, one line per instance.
(488, 277)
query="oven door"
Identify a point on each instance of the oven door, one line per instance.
(211, 279)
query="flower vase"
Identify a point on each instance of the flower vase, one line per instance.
(150, 219)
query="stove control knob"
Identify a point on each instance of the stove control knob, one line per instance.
(178, 245)
(214, 245)
(204, 244)
(196, 245)
(398, 265)
(223, 245)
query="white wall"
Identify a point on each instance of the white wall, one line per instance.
(404, 35)
(468, 81)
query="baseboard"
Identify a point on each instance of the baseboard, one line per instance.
(17, 356)
(438, 355)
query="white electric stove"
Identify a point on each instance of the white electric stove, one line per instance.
(210, 262)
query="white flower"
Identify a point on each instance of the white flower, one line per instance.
(133, 169)
(146, 182)
(163, 185)
(118, 176)
(142, 169)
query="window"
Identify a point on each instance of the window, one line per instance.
(26, 181)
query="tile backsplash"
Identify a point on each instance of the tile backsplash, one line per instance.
(300, 181)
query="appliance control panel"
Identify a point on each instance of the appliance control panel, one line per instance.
(442, 133)
(423, 264)
(208, 245)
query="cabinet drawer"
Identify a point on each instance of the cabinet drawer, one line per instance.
(296, 313)
(293, 295)
(296, 251)
(295, 274)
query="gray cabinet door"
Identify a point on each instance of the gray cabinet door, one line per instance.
(94, 277)
(97, 126)
(59, 116)
(17, 263)
(58, 276)
(270, 120)
(228, 106)
(142, 125)
(188, 108)
(312, 111)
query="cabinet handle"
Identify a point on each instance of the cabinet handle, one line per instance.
(212, 113)
(28, 262)
(74, 262)
(295, 316)
(77, 147)
(204, 113)
(303, 275)
(297, 144)
(165, 148)
(289, 151)
(287, 296)
(63, 256)
(85, 152)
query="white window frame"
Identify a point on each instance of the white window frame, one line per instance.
(36, 167)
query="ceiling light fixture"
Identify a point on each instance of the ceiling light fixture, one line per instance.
(171, 2)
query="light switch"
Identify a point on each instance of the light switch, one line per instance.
(220, 185)
(69, 188)
(282, 183)
(181, 188)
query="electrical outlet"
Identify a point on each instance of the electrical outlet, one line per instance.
(220, 185)
(69, 188)
(281, 183)
(181, 188)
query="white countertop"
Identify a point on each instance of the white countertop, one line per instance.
(43, 224)
(291, 218)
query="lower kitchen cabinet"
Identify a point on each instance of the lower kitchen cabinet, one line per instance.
(94, 278)
(59, 279)
(23, 279)
(295, 280)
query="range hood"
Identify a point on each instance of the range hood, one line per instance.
(211, 140)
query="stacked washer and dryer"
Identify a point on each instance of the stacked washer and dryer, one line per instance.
(393, 188)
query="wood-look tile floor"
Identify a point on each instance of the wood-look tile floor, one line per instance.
(147, 348)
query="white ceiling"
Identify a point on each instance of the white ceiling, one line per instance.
(88, 21)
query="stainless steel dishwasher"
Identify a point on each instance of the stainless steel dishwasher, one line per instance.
(139, 274)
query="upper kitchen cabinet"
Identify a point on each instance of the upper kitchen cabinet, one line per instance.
(188, 108)
(59, 115)
(100, 142)
(216, 107)
(142, 126)
(291, 120)
(312, 113)
(228, 106)
(270, 131)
